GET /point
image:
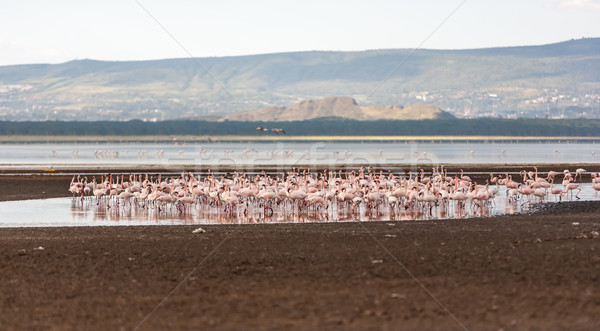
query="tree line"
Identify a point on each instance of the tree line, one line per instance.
(317, 127)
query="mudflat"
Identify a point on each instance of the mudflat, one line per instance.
(524, 272)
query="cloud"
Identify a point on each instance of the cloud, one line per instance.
(582, 4)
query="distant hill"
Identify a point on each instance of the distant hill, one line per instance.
(341, 107)
(556, 80)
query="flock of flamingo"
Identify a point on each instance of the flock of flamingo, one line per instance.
(347, 194)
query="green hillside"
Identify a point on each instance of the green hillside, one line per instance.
(553, 80)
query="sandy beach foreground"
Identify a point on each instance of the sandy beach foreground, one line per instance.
(537, 271)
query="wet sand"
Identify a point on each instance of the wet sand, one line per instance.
(537, 271)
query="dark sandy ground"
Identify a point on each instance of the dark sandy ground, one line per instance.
(33, 187)
(538, 272)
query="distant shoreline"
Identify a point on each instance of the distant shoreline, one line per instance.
(275, 138)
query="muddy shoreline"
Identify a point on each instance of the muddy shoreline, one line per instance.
(519, 272)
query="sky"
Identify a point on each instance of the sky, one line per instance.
(63, 30)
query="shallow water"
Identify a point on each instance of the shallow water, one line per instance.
(75, 212)
(296, 153)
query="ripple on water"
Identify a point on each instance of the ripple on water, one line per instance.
(294, 153)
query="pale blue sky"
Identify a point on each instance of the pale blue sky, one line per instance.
(62, 30)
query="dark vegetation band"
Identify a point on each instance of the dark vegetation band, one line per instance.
(318, 127)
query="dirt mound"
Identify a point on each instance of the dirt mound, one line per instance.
(342, 107)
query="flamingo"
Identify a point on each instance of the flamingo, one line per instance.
(596, 186)
(525, 190)
(344, 191)
(483, 194)
(540, 193)
(579, 172)
(513, 194)
(462, 177)
(125, 196)
(556, 191)
(551, 175)
(569, 187)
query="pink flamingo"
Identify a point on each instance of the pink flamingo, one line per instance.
(556, 191)
(525, 190)
(596, 186)
(540, 193)
(579, 172)
(570, 187)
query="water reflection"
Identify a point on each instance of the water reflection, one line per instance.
(87, 212)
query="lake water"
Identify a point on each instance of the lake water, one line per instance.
(296, 153)
(69, 212)
(75, 212)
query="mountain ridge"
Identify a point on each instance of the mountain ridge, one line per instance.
(553, 80)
